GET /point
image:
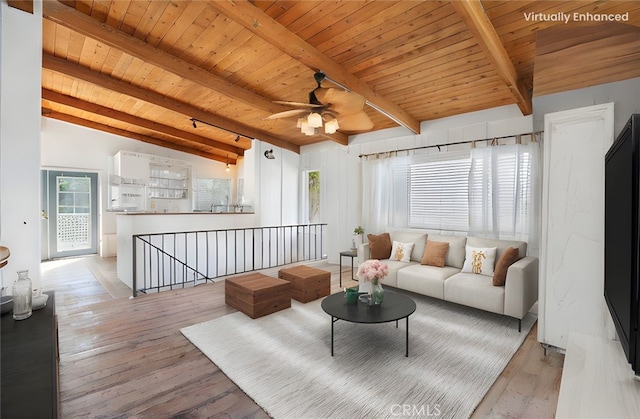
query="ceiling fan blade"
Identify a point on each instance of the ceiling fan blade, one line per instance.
(358, 121)
(299, 104)
(340, 101)
(287, 114)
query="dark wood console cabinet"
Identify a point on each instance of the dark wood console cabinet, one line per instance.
(29, 364)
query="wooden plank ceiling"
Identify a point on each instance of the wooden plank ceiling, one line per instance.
(143, 69)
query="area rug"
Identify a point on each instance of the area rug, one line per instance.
(283, 361)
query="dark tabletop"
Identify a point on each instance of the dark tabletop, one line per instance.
(394, 307)
(28, 360)
(350, 253)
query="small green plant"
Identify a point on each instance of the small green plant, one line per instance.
(358, 230)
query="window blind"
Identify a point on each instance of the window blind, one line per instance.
(438, 195)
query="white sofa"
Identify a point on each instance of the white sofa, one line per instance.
(449, 283)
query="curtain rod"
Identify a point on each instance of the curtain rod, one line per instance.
(492, 139)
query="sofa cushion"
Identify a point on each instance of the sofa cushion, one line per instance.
(455, 255)
(401, 251)
(501, 245)
(435, 253)
(474, 291)
(394, 267)
(379, 246)
(479, 260)
(508, 257)
(419, 240)
(425, 279)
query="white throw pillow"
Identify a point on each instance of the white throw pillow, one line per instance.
(479, 260)
(401, 251)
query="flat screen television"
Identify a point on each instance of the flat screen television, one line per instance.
(622, 246)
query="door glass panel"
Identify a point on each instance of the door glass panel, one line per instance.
(73, 220)
(81, 200)
(65, 199)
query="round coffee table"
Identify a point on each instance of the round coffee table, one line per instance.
(394, 307)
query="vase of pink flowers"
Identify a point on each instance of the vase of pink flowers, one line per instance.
(373, 271)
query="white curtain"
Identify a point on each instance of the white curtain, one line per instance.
(376, 192)
(384, 193)
(503, 193)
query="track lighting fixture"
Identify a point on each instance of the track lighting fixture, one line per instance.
(238, 134)
(228, 168)
(269, 154)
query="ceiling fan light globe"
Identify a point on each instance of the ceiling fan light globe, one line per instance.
(308, 130)
(330, 127)
(314, 120)
(300, 122)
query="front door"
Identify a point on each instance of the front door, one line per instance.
(70, 210)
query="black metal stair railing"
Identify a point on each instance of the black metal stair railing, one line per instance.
(164, 261)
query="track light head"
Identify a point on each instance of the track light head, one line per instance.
(237, 139)
(269, 154)
(193, 121)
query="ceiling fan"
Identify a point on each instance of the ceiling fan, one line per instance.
(329, 107)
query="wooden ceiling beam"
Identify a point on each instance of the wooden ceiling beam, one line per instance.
(79, 22)
(252, 18)
(473, 15)
(134, 120)
(82, 73)
(24, 5)
(48, 113)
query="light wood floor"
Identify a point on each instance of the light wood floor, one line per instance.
(123, 358)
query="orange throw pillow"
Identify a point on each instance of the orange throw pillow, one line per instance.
(379, 246)
(435, 253)
(508, 257)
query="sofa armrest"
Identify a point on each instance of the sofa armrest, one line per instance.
(521, 287)
(363, 253)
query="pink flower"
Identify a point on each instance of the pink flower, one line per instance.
(371, 269)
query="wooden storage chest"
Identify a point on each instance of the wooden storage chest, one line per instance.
(257, 295)
(308, 283)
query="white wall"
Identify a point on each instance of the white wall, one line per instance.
(270, 186)
(496, 122)
(276, 185)
(339, 165)
(340, 191)
(20, 86)
(624, 94)
(72, 147)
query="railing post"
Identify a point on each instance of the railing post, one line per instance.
(134, 276)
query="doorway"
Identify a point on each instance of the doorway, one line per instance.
(311, 193)
(69, 214)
